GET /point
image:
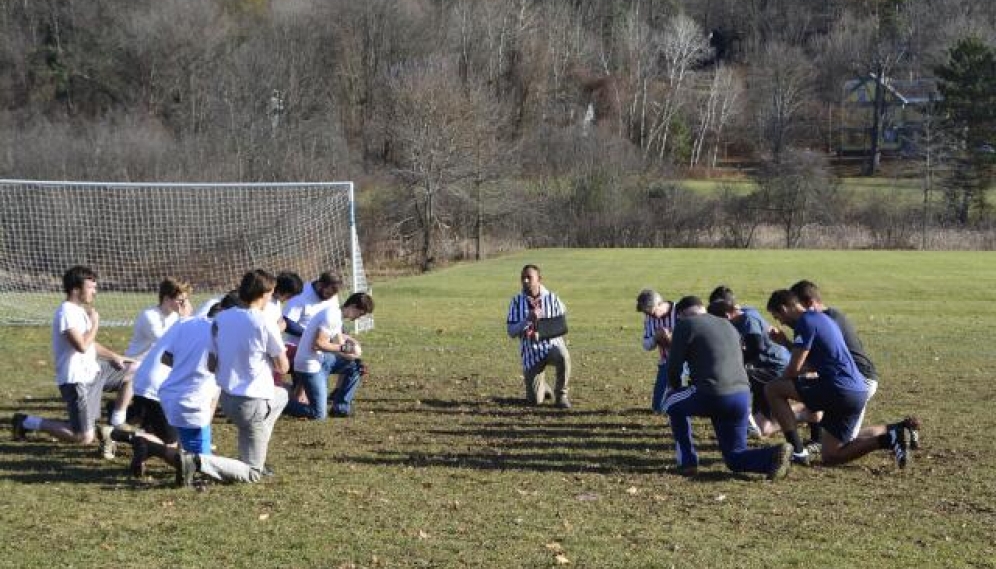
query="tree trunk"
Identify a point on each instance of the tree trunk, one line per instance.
(479, 222)
(878, 112)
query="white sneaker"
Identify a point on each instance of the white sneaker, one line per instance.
(107, 446)
(753, 430)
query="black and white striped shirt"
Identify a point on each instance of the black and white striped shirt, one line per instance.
(652, 324)
(533, 351)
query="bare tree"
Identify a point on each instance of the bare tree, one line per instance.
(781, 85)
(716, 109)
(682, 45)
(437, 140)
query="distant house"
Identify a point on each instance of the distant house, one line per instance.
(906, 107)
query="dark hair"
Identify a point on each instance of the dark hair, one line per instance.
(172, 288)
(254, 285)
(289, 284)
(721, 308)
(722, 292)
(807, 292)
(228, 301)
(687, 302)
(360, 301)
(74, 277)
(782, 298)
(531, 267)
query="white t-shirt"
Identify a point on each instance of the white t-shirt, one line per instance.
(188, 391)
(151, 372)
(202, 310)
(72, 366)
(150, 325)
(274, 311)
(308, 359)
(303, 307)
(245, 343)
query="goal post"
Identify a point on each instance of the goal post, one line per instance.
(136, 234)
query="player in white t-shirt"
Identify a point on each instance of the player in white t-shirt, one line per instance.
(246, 349)
(188, 393)
(324, 350)
(151, 325)
(77, 371)
(317, 295)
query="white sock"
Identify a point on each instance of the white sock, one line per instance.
(118, 417)
(32, 423)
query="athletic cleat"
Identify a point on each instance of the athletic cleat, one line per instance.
(108, 447)
(912, 426)
(801, 458)
(186, 466)
(781, 462)
(814, 447)
(139, 454)
(688, 471)
(17, 426)
(900, 450)
(563, 402)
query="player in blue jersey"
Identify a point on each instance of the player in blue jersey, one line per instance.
(839, 390)
(764, 359)
(530, 313)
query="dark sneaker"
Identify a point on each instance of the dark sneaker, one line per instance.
(186, 466)
(107, 445)
(802, 458)
(912, 426)
(17, 426)
(900, 450)
(781, 462)
(139, 454)
(688, 471)
(563, 402)
(341, 414)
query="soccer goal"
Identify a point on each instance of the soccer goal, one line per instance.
(134, 235)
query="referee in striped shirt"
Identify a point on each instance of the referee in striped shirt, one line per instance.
(527, 309)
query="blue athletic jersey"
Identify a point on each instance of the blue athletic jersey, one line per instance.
(828, 353)
(772, 355)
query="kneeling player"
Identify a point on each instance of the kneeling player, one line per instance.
(839, 391)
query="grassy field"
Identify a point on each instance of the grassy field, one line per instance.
(443, 466)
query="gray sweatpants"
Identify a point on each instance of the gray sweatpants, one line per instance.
(536, 386)
(255, 419)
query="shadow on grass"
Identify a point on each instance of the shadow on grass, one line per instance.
(534, 462)
(45, 463)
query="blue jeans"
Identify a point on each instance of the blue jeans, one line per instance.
(316, 388)
(660, 387)
(729, 421)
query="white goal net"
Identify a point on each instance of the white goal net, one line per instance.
(134, 235)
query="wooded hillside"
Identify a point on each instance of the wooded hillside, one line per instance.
(497, 124)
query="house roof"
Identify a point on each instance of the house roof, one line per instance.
(903, 92)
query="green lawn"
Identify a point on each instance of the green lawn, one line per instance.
(443, 466)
